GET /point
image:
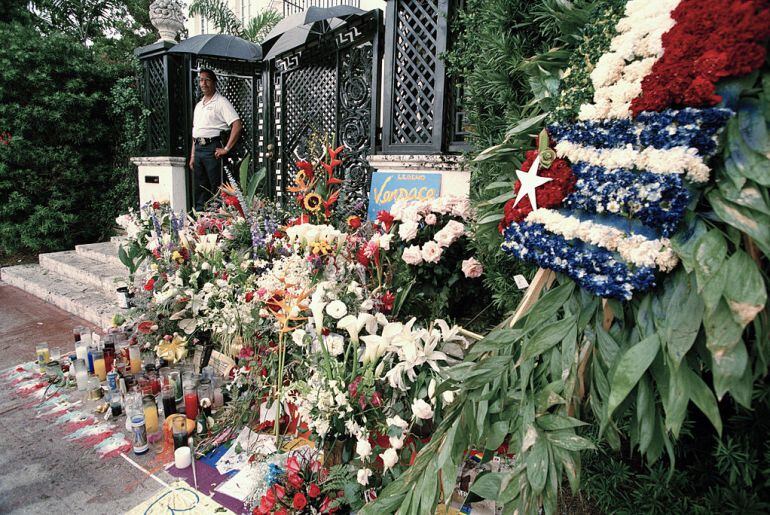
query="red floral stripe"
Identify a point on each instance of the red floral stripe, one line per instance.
(712, 39)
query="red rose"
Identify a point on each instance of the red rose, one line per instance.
(150, 284)
(280, 491)
(282, 511)
(354, 222)
(294, 480)
(249, 296)
(299, 501)
(313, 491)
(292, 465)
(156, 205)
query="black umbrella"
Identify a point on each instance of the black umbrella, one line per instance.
(219, 45)
(297, 36)
(313, 15)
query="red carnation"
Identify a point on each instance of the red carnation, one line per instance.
(299, 501)
(313, 491)
(549, 195)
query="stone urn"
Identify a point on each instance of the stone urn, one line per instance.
(167, 17)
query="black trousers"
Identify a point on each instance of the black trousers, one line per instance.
(207, 174)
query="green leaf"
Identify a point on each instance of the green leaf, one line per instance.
(546, 338)
(487, 485)
(729, 368)
(748, 162)
(537, 464)
(745, 291)
(631, 366)
(497, 434)
(570, 441)
(752, 223)
(684, 314)
(645, 413)
(722, 331)
(508, 195)
(749, 196)
(525, 125)
(685, 242)
(753, 126)
(703, 397)
(710, 252)
(499, 184)
(549, 304)
(552, 422)
(491, 219)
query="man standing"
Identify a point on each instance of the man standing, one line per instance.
(214, 115)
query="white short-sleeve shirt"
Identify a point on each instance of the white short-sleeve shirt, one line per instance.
(213, 116)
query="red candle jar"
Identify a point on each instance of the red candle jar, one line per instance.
(190, 402)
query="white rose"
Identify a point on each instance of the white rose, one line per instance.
(431, 252)
(412, 255)
(396, 442)
(363, 476)
(336, 309)
(363, 449)
(422, 409)
(444, 237)
(407, 231)
(455, 228)
(335, 344)
(397, 422)
(448, 397)
(430, 219)
(389, 458)
(384, 241)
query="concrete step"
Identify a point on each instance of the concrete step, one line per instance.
(80, 299)
(106, 252)
(71, 265)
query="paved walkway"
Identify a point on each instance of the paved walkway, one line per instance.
(40, 472)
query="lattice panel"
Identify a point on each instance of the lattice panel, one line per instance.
(309, 112)
(355, 100)
(414, 71)
(156, 101)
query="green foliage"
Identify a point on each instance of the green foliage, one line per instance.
(508, 54)
(58, 173)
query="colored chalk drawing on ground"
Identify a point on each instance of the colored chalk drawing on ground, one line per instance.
(113, 446)
(177, 498)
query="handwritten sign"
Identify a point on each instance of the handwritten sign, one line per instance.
(389, 187)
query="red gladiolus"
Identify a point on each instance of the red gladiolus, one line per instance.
(387, 301)
(386, 218)
(376, 399)
(307, 168)
(299, 501)
(353, 386)
(325, 505)
(361, 256)
(313, 491)
(150, 284)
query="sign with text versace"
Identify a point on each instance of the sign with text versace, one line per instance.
(388, 187)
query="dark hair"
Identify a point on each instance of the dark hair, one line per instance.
(210, 72)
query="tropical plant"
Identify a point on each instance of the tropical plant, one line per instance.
(227, 22)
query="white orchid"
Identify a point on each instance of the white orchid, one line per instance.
(376, 345)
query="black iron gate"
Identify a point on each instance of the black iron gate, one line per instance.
(327, 92)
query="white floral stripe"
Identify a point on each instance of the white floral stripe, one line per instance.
(674, 160)
(633, 248)
(617, 77)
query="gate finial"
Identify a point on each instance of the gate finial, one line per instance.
(167, 17)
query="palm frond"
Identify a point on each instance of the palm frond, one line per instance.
(260, 25)
(225, 21)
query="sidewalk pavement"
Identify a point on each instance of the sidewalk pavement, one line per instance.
(41, 472)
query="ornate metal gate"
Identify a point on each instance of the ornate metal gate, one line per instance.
(327, 92)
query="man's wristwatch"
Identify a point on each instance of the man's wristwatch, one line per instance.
(227, 150)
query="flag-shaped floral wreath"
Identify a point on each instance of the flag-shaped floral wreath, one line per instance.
(601, 197)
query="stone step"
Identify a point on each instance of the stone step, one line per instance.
(106, 252)
(71, 265)
(80, 299)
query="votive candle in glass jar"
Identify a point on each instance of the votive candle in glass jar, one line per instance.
(81, 374)
(168, 395)
(135, 358)
(100, 369)
(190, 401)
(150, 408)
(43, 355)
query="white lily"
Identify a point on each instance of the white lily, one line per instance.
(354, 324)
(317, 305)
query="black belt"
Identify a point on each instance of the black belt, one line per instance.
(206, 141)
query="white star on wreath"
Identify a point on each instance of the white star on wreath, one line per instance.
(530, 181)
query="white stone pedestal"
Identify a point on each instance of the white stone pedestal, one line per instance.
(162, 179)
(454, 179)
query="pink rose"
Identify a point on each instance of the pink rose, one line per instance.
(407, 231)
(472, 268)
(412, 255)
(431, 252)
(430, 219)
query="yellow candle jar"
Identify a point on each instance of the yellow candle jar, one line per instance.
(150, 414)
(100, 369)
